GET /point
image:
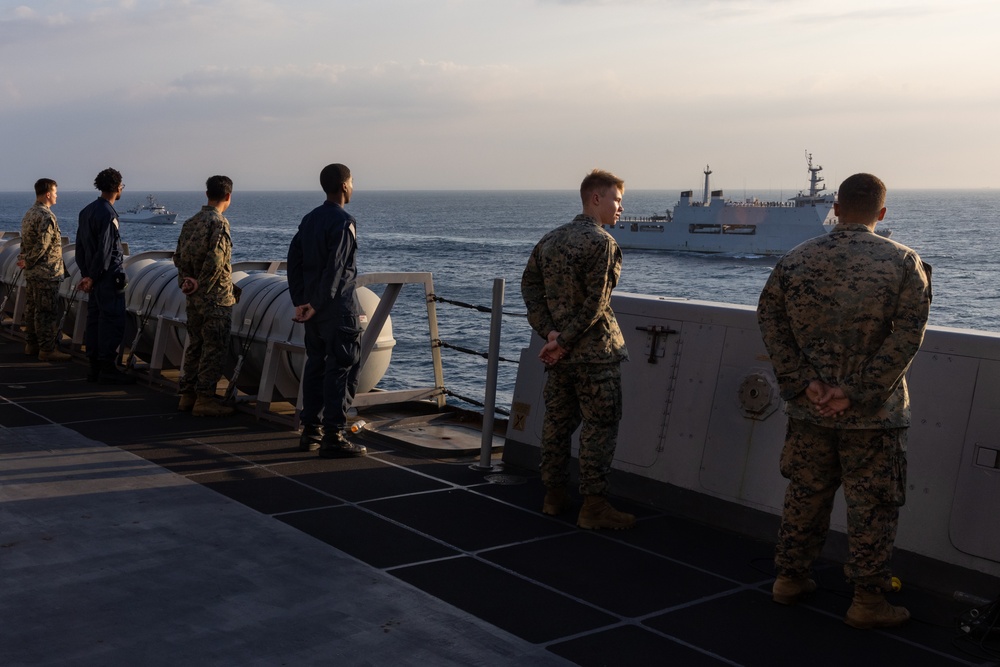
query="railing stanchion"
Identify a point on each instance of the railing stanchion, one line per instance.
(493, 360)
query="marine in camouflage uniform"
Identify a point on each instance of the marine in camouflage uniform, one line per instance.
(204, 251)
(567, 287)
(842, 316)
(42, 261)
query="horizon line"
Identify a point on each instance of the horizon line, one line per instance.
(459, 190)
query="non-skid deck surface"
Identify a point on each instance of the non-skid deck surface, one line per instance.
(670, 591)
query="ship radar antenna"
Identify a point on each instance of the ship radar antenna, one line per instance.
(705, 200)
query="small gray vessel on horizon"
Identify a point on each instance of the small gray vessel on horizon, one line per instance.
(150, 213)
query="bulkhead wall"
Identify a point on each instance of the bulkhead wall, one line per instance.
(702, 413)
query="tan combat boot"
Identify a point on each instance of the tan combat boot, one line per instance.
(556, 501)
(53, 355)
(789, 590)
(207, 406)
(31, 349)
(598, 513)
(186, 401)
(872, 610)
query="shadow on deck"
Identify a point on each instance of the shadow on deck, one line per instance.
(670, 591)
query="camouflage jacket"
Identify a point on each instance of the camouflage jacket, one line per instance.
(41, 244)
(567, 288)
(204, 249)
(848, 308)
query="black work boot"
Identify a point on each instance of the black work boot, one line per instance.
(336, 446)
(312, 435)
(95, 370)
(109, 374)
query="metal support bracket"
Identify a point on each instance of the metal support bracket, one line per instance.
(656, 341)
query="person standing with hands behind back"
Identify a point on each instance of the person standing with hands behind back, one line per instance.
(322, 270)
(42, 261)
(100, 257)
(205, 276)
(566, 287)
(842, 316)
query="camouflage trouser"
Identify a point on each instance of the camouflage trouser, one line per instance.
(591, 393)
(208, 332)
(41, 314)
(871, 465)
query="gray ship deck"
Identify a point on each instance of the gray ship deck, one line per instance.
(132, 534)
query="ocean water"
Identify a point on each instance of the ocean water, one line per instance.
(468, 239)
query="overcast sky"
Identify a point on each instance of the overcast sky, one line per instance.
(499, 94)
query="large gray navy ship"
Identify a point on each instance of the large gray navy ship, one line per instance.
(717, 224)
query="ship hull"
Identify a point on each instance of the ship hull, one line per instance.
(156, 219)
(726, 228)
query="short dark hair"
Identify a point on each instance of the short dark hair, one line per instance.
(108, 180)
(217, 187)
(333, 177)
(861, 197)
(44, 186)
(599, 180)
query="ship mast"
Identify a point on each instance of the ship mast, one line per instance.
(815, 180)
(705, 200)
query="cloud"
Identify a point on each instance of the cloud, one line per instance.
(411, 89)
(886, 12)
(22, 21)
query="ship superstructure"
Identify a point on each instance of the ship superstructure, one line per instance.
(719, 225)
